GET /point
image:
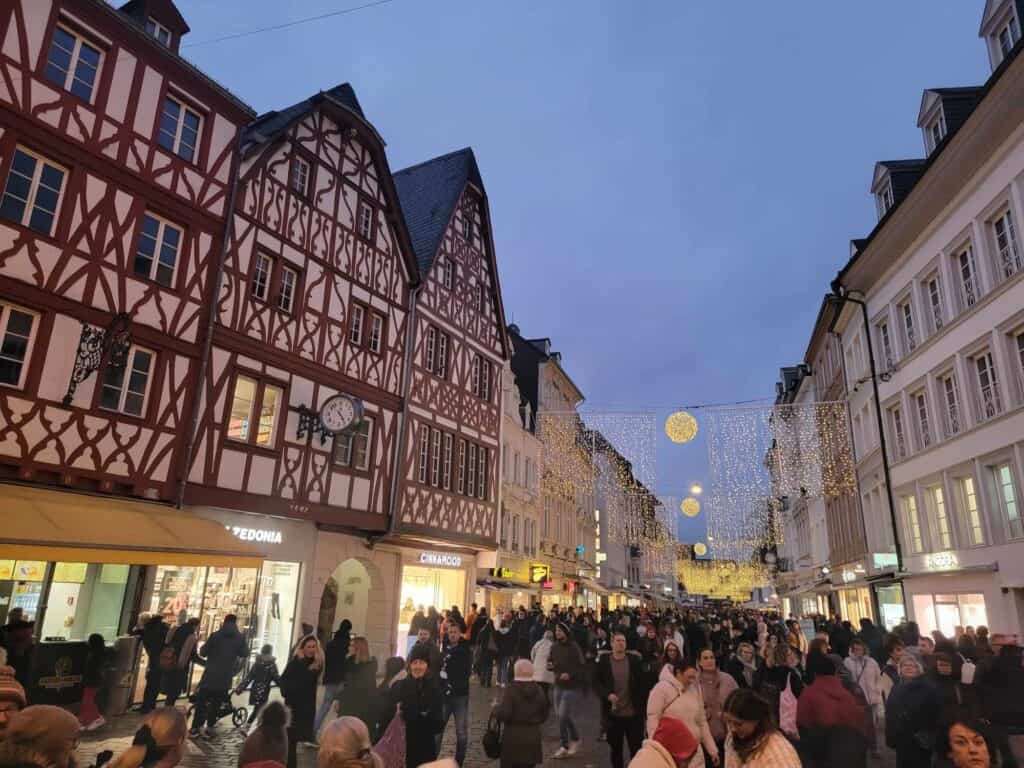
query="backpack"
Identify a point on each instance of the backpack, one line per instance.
(168, 661)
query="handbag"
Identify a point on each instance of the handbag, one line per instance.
(492, 737)
(787, 711)
(391, 746)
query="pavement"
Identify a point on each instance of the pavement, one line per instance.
(222, 752)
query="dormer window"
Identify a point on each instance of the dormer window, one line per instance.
(935, 132)
(1001, 29)
(1008, 35)
(155, 29)
(884, 199)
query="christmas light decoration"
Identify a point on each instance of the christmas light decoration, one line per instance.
(718, 579)
(700, 548)
(696, 489)
(690, 507)
(681, 427)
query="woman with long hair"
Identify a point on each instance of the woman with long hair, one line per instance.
(754, 741)
(346, 744)
(298, 686)
(669, 656)
(356, 698)
(715, 687)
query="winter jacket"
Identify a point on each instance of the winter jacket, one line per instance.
(540, 654)
(715, 688)
(154, 636)
(668, 699)
(223, 652)
(335, 656)
(523, 710)
(743, 674)
(776, 752)
(999, 691)
(261, 676)
(97, 661)
(423, 713)
(357, 697)
(865, 672)
(298, 686)
(456, 667)
(566, 659)
(831, 726)
(911, 716)
(604, 681)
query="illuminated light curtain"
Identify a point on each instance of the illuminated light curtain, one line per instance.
(718, 579)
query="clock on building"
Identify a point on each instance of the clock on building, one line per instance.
(340, 413)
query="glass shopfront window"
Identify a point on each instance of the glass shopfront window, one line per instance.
(946, 612)
(85, 598)
(855, 604)
(428, 586)
(890, 606)
(21, 586)
(275, 608)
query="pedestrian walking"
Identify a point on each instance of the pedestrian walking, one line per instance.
(298, 686)
(422, 708)
(346, 744)
(523, 709)
(671, 746)
(743, 665)
(754, 740)
(507, 653)
(715, 687)
(619, 683)
(678, 695)
(335, 660)
(383, 709)
(953, 694)
(269, 740)
(158, 743)
(866, 676)
(566, 661)
(40, 736)
(426, 644)
(262, 676)
(153, 634)
(97, 662)
(355, 697)
(456, 668)
(830, 721)
(540, 653)
(910, 716)
(178, 652)
(19, 640)
(222, 652)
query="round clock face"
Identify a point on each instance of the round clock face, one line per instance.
(338, 413)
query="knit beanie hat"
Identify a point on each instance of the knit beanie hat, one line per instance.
(420, 652)
(523, 670)
(674, 736)
(44, 729)
(10, 688)
(565, 628)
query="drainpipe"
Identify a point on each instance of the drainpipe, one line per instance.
(841, 294)
(204, 362)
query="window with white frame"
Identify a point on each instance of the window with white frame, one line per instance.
(179, 128)
(898, 433)
(515, 533)
(256, 408)
(33, 191)
(1006, 493)
(937, 503)
(933, 289)
(481, 466)
(989, 399)
(446, 470)
(936, 131)
(504, 524)
(467, 227)
(480, 377)
(262, 272)
(286, 294)
(448, 273)
(1008, 34)
(355, 324)
(884, 199)
(546, 520)
(299, 175)
(435, 457)
(17, 330)
(421, 474)
(951, 397)
(885, 340)
(352, 449)
(157, 30)
(461, 479)
(916, 541)
(1007, 248)
(73, 63)
(471, 471)
(969, 505)
(125, 387)
(968, 272)
(364, 220)
(906, 311)
(376, 339)
(923, 423)
(156, 255)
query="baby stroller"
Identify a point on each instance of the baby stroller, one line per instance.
(239, 715)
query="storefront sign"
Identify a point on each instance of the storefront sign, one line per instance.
(69, 573)
(941, 561)
(6, 570)
(539, 573)
(440, 558)
(884, 559)
(58, 673)
(501, 573)
(260, 535)
(548, 584)
(29, 570)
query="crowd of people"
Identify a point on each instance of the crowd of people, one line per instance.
(688, 689)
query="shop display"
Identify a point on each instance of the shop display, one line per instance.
(426, 587)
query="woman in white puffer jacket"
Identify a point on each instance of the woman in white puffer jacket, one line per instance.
(677, 695)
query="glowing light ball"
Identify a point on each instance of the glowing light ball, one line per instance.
(696, 489)
(690, 507)
(700, 549)
(681, 427)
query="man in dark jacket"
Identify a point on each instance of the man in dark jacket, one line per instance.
(874, 639)
(335, 657)
(222, 651)
(840, 638)
(619, 683)
(456, 667)
(154, 637)
(566, 661)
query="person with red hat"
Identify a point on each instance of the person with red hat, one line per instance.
(672, 746)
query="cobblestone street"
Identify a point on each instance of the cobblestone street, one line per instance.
(222, 752)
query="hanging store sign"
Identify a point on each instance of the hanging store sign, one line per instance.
(941, 561)
(440, 559)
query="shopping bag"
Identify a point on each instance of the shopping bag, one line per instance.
(787, 712)
(391, 746)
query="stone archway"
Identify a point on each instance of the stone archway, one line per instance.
(346, 595)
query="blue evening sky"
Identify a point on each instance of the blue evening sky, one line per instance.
(673, 183)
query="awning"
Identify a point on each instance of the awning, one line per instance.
(43, 524)
(594, 586)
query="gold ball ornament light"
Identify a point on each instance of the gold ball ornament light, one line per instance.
(681, 427)
(700, 549)
(690, 507)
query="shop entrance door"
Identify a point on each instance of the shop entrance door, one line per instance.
(427, 587)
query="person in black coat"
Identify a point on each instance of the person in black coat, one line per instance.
(422, 709)
(154, 634)
(223, 652)
(335, 661)
(356, 698)
(298, 686)
(456, 667)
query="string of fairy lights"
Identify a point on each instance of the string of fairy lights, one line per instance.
(759, 453)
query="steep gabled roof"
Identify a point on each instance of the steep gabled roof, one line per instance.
(270, 125)
(429, 193)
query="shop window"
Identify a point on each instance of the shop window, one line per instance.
(85, 598)
(428, 587)
(125, 387)
(21, 586)
(352, 449)
(946, 612)
(255, 410)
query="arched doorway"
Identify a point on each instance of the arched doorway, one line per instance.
(346, 596)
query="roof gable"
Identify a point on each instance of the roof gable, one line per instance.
(163, 11)
(270, 125)
(429, 193)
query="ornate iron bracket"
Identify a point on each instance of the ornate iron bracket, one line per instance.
(310, 423)
(94, 345)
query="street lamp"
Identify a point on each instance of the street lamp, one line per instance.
(696, 489)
